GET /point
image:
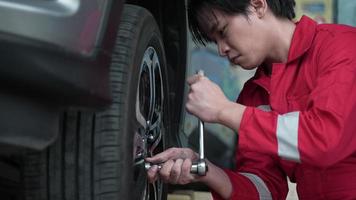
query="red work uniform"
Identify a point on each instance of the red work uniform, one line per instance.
(300, 120)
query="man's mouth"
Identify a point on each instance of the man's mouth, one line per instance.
(235, 59)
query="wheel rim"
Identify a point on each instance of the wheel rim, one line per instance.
(149, 129)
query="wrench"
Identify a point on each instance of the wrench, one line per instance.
(199, 167)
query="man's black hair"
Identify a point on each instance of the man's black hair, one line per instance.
(280, 8)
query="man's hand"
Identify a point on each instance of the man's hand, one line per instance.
(176, 164)
(205, 99)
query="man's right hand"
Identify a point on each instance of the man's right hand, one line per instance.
(175, 166)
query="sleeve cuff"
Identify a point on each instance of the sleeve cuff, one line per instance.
(242, 188)
(257, 131)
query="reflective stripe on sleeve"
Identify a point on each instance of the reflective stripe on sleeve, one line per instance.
(266, 108)
(287, 136)
(260, 185)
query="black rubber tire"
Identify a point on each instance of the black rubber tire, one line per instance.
(92, 158)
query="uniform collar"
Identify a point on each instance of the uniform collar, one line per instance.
(261, 78)
(302, 38)
(301, 42)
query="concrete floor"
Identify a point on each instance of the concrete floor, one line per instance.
(189, 195)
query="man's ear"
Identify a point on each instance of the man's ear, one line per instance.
(260, 7)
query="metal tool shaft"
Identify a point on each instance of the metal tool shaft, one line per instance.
(201, 140)
(199, 167)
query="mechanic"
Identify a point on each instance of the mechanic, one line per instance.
(295, 118)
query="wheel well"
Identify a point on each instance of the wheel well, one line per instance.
(172, 21)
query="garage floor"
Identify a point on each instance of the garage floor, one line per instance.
(189, 195)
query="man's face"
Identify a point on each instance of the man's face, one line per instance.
(240, 38)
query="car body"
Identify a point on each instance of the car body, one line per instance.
(54, 56)
(81, 83)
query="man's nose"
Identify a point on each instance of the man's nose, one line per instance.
(223, 48)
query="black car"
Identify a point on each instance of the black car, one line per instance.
(89, 88)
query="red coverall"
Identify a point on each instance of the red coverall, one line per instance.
(300, 121)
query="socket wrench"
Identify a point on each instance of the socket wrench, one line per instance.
(199, 167)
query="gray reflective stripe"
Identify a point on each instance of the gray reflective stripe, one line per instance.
(264, 107)
(260, 185)
(287, 136)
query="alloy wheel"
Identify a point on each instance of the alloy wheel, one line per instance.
(149, 128)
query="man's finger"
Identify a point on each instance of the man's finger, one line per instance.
(192, 79)
(152, 173)
(195, 78)
(176, 171)
(186, 166)
(166, 169)
(158, 158)
(200, 72)
(186, 176)
(169, 154)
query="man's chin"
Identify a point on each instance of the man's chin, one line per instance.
(248, 67)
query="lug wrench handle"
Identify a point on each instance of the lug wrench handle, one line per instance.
(200, 168)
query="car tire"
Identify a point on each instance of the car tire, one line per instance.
(100, 155)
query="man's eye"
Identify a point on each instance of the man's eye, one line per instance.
(211, 39)
(222, 31)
